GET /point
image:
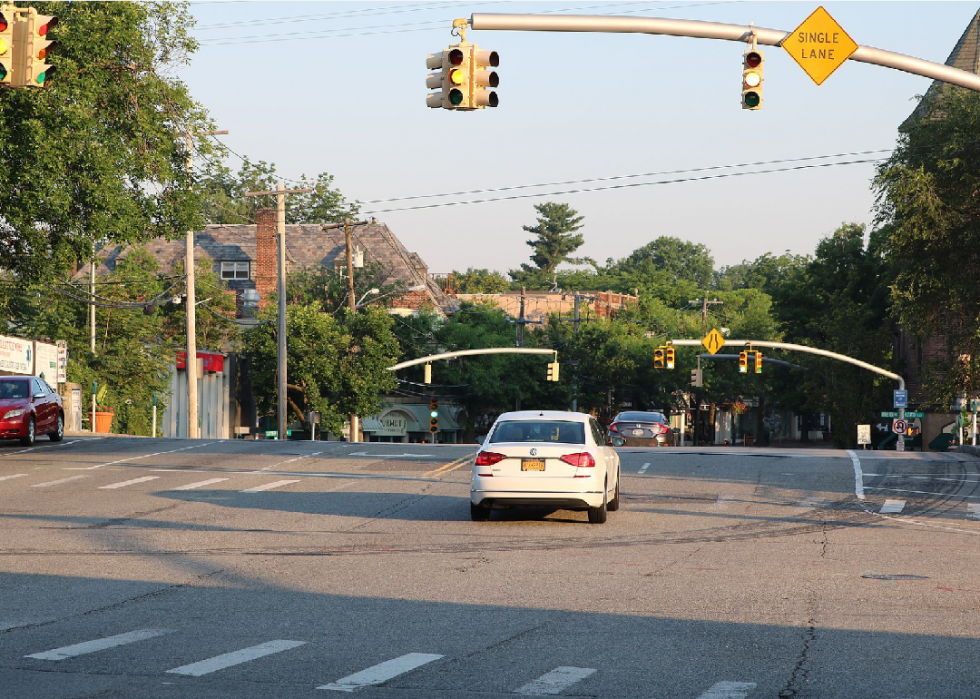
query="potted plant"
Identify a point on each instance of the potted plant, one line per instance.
(102, 418)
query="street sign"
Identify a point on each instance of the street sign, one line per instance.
(901, 399)
(713, 341)
(909, 414)
(271, 434)
(819, 45)
(889, 413)
(899, 426)
(864, 434)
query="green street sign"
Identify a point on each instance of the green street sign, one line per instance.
(908, 413)
(271, 434)
(889, 413)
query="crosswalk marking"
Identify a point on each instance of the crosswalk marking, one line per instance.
(99, 644)
(200, 484)
(643, 468)
(58, 482)
(269, 486)
(974, 510)
(123, 484)
(382, 672)
(16, 475)
(729, 690)
(220, 662)
(892, 507)
(556, 681)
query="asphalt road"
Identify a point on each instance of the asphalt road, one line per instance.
(156, 569)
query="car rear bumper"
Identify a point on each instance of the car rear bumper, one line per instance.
(565, 493)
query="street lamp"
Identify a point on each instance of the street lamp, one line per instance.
(369, 292)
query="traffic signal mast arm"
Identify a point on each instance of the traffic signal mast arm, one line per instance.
(711, 30)
(470, 353)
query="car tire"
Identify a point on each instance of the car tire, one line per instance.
(479, 513)
(59, 430)
(597, 515)
(28, 440)
(613, 504)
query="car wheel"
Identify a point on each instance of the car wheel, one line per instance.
(614, 503)
(59, 431)
(479, 513)
(597, 515)
(28, 440)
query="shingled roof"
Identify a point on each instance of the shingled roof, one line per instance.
(307, 245)
(965, 56)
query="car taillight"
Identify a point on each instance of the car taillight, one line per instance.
(613, 428)
(582, 460)
(488, 458)
(659, 429)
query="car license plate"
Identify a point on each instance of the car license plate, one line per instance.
(532, 464)
(637, 433)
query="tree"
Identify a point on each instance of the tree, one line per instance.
(478, 281)
(555, 237)
(99, 154)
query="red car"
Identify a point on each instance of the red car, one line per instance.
(28, 408)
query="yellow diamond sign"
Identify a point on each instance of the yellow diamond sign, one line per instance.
(713, 341)
(819, 45)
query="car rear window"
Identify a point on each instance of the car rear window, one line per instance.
(642, 417)
(557, 431)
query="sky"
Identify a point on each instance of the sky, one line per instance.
(339, 88)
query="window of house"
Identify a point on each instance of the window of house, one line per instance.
(234, 270)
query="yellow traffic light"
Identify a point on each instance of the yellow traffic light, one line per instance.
(669, 357)
(752, 77)
(552, 371)
(658, 358)
(743, 358)
(758, 362)
(452, 82)
(6, 45)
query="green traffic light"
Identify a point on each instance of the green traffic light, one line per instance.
(3, 72)
(455, 97)
(434, 413)
(752, 99)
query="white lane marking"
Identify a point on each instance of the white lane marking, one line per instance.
(858, 476)
(123, 484)
(390, 456)
(220, 662)
(974, 509)
(47, 446)
(289, 461)
(382, 672)
(268, 486)
(556, 681)
(58, 482)
(723, 501)
(643, 468)
(200, 484)
(921, 492)
(99, 644)
(729, 690)
(135, 458)
(892, 507)
(16, 475)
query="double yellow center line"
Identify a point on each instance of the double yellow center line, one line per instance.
(451, 466)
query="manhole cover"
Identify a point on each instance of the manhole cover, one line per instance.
(884, 576)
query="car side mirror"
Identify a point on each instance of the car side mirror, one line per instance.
(38, 396)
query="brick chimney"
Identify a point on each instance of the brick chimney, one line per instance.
(265, 254)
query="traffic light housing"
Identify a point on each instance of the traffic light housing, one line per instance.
(658, 358)
(463, 80)
(6, 45)
(669, 357)
(758, 362)
(752, 77)
(743, 362)
(697, 379)
(433, 415)
(553, 371)
(36, 69)
(482, 79)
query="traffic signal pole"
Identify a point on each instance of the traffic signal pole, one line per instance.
(711, 30)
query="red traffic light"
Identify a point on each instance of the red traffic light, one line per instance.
(43, 29)
(753, 59)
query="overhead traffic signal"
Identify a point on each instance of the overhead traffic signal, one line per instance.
(6, 45)
(553, 371)
(36, 49)
(669, 357)
(758, 362)
(658, 358)
(743, 365)
(752, 77)
(696, 378)
(483, 79)
(433, 415)
(463, 80)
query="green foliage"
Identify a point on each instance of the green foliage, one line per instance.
(555, 239)
(478, 281)
(327, 288)
(100, 153)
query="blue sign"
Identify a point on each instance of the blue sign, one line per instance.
(901, 399)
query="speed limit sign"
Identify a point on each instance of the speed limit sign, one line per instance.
(899, 426)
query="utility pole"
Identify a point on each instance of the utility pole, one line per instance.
(281, 193)
(191, 362)
(91, 291)
(352, 305)
(520, 336)
(704, 329)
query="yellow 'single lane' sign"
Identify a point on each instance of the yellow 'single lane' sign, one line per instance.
(819, 45)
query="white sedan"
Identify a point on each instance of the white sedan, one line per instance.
(545, 458)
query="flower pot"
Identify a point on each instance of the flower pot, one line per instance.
(103, 421)
(749, 440)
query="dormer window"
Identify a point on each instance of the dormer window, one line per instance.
(234, 270)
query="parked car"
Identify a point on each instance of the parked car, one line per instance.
(545, 458)
(28, 408)
(641, 429)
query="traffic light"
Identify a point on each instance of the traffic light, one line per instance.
(33, 47)
(481, 79)
(6, 45)
(669, 357)
(452, 83)
(552, 371)
(743, 359)
(658, 358)
(758, 362)
(433, 415)
(752, 66)
(696, 378)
